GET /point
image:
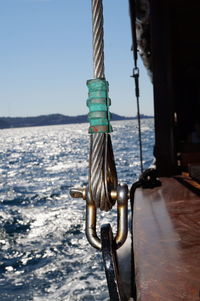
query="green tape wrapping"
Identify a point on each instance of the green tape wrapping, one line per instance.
(95, 107)
(98, 103)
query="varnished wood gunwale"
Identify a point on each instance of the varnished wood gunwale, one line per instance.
(166, 233)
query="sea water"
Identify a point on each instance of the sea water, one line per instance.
(44, 254)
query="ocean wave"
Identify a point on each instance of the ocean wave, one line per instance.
(44, 254)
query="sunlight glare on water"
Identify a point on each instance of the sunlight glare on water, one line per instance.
(44, 254)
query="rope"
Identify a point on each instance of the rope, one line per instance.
(137, 95)
(132, 7)
(136, 77)
(98, 41)
(102, 171)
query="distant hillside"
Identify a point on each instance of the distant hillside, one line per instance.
(53, 119)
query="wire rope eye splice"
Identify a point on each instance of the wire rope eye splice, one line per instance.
(99, 117)
(108, 189)
(103, 189)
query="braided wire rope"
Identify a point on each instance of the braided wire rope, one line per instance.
(133, 9)
(102, 171)
(98, 40)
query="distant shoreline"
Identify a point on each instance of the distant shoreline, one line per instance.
(53, 119)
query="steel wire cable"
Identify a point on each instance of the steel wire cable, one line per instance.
(102, 171)
(98, 40)
(133, 10)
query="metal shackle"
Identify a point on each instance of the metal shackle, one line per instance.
(122, 196)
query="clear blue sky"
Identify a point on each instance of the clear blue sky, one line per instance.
(46, 58)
